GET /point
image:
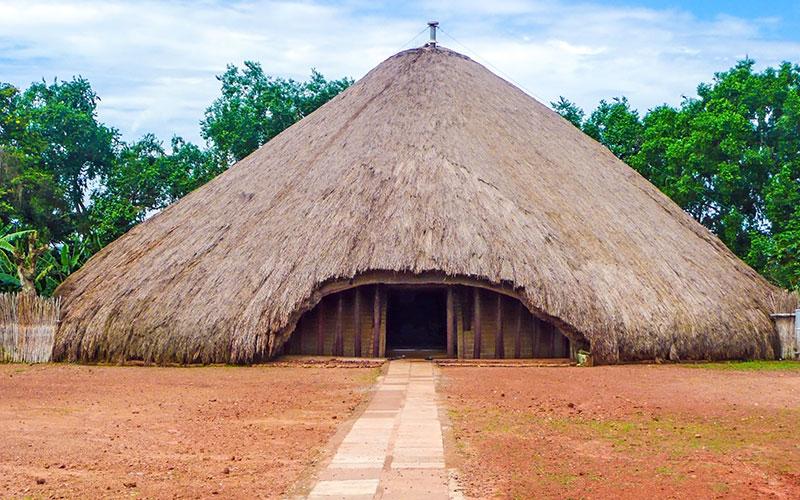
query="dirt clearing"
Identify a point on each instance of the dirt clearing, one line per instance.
(71, 431)
(624, 432)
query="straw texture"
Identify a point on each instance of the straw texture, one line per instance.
(430, 163)
(27, 327)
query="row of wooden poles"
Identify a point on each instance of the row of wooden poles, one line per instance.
(499, 346)
(338, 339)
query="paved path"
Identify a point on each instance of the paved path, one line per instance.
(394, 450)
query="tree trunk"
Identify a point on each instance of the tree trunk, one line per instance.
(26, 263)
(27, 275)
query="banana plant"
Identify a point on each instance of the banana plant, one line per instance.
(45, 267)
(7, 238)
(8, 274)
(9, 279)
(68, 260)
(60, 263)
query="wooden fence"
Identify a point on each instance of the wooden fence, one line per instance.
(27, 327)
(787, 325)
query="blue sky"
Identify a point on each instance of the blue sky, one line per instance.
(786, 14)
(153, 63)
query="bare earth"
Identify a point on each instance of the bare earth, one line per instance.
(71, 431)
(624, 432)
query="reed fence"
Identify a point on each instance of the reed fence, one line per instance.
(27, 327)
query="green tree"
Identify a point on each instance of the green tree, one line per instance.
(734, 155)
(255, 107)
(53, 148)
(136, 185)
(569, 110)
(616, 126)
(29, 194)
(75, 147)
(191, 167)
(144, 179)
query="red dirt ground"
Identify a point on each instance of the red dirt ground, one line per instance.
(624, 432)
(71, 431)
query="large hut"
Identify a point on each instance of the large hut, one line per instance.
(432, 206)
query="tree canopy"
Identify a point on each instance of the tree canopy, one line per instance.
(254, 108)
(72, 180)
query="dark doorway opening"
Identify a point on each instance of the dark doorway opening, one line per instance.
(416, 320)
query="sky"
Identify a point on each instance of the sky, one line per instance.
(153, 64)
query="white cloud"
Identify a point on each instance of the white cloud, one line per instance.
(578, 50)
(153, 64)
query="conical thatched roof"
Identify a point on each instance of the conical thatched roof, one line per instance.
(430, 163)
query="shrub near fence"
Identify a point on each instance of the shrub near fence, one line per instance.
(27, 327)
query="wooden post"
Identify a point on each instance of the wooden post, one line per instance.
(499, 342)
(518, 332)
(463, 301)
(357, 323)
(338, 349)
(536, 335)
(306, 333)
(320, 328)
(376, 323)
(296, 340)
(797, 330)
(299, 333)
(451, 318)
(466, 310)
(384, 306)
(476, 323)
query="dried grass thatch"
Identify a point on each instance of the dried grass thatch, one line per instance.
(430, 163)
(28, 325)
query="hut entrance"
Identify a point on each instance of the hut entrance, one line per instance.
(390, 319)
(416, 321)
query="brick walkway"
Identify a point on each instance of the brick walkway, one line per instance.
(394, 450)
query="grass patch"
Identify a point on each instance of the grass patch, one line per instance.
(371, 376)
(59, 411)
(561, 478)
(751, 366)
(675, 435)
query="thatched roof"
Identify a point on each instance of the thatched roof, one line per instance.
(430, 163)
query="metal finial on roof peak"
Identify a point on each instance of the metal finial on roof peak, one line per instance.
(433, 25)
